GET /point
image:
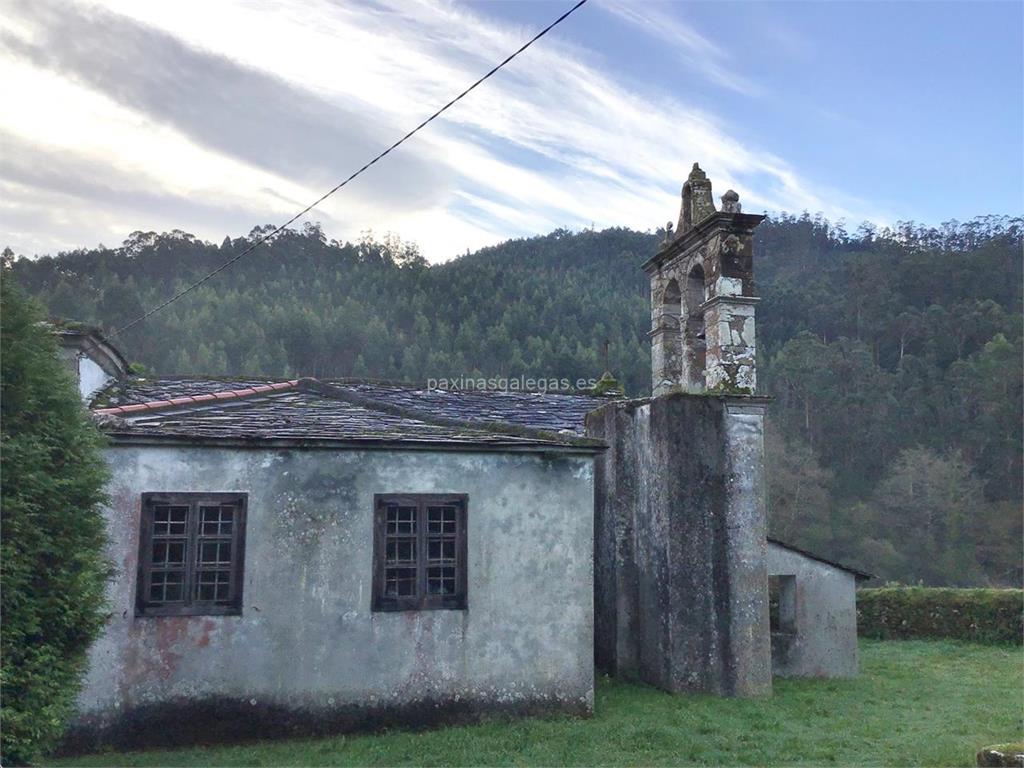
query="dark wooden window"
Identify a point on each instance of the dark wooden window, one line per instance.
(191, 554)
(419, 552)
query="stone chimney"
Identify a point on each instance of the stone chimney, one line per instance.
(702, 296)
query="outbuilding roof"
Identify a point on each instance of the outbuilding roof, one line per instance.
(311, 412)
(858, 574)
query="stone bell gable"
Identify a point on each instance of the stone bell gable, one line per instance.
(702, 296)
(680, 574)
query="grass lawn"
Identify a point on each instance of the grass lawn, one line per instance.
(915, 703)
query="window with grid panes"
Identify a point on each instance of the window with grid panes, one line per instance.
(419, 552)
(191, 553)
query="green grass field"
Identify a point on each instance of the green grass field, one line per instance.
(915, 703)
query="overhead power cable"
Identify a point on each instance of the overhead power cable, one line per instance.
(264, 238)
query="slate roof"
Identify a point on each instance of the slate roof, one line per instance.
(308, 411)
(554, 412)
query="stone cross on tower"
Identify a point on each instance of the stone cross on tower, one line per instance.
(702, 296)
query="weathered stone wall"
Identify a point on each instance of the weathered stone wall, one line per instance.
(731, 353)
(824, 643)
(307, 655)
(680, 573)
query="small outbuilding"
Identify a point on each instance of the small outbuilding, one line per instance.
(812, 613)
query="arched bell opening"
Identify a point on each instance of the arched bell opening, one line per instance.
(667, 337)
(672, 302)
(696, 334)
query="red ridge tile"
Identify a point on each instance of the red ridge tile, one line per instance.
(127, 408)
(231, 394)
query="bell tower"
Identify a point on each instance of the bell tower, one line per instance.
(680, 510)
(702, 296)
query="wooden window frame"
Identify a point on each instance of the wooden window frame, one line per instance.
(190, 604)
(421, 601)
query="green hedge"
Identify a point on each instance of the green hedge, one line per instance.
(977, 615)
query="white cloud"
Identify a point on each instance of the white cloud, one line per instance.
(693, 48)
(553, 140)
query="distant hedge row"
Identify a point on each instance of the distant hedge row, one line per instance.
(905, 613)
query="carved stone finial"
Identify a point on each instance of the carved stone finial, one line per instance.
(668, 232)
(697, 201)
(731, 202)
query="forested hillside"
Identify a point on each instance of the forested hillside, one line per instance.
(894, 356)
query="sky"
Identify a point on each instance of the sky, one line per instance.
(215, 117)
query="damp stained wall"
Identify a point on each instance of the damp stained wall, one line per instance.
(824, 643)
(307, 654)
(681, 574)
